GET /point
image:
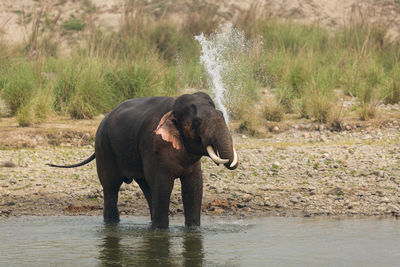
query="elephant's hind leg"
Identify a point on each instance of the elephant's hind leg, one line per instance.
(110, 212)
(111, 181)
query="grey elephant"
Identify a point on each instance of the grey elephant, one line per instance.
(155, 140)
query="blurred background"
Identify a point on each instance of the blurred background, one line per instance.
(330, 62)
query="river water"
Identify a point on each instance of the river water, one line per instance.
(271, 241)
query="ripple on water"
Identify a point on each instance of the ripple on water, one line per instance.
(87, 241)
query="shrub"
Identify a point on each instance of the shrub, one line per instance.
(81, 89)
(137, 78)
(171, 42)
(24, 116)
(43, 103)
(321, 106)
(367, 111)
(391, 94)
(67, 78)
(337, 116)
(73, 24)
(93, 95)
(273, 110)
(19, 85)
(79, 109)
(248, 127)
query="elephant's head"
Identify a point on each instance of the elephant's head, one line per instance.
(195, 124)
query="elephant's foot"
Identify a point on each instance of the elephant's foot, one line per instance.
(160, 224)
(111, 220)
(192, 224)
(111, 215)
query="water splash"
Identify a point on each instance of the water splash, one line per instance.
(216, 52)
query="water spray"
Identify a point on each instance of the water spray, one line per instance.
(216, 53)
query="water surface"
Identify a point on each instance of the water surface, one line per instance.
(86, 241)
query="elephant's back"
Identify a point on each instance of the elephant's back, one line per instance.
(133, 113)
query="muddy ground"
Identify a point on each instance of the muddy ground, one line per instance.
(304, 170)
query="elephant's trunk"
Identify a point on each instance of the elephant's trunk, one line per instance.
(224, 149)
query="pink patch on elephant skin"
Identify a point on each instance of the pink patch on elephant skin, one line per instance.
(166, 128)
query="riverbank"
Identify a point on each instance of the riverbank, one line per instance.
(306, 170)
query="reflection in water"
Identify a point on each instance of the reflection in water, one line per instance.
(147, 247)
(110, 253)
(193, 254)
(85, 241)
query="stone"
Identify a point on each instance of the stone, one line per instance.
(218, 211)
(247, 197)
(384, 200)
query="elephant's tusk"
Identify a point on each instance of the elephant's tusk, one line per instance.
(235, 159)
(214, 157)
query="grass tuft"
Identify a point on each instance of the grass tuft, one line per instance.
(273, 110)
(73, 24)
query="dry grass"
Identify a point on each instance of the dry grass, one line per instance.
(149, 54)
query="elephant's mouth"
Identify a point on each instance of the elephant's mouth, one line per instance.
(215, 157)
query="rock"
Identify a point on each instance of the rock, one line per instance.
(275, 129)
(10, 203)
(337, 191)
(393, 208)
(276, 165)
(385, 200)
(322, 138)
(247, 197)
(307, 126)
(7, 164)
(267, 204)
(218, 211)
(213, 175)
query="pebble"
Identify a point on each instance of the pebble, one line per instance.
(276, 174)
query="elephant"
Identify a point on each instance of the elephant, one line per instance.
(154, 140)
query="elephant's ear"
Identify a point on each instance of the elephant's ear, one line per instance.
(168, 131)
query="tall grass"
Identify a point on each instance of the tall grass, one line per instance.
(19, 84)
(302, 65)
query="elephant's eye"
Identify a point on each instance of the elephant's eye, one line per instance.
(196, 123)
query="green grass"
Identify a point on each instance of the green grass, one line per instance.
(302, 65)
(73, 24)
(18, 84)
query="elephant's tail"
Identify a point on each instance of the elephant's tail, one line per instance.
(86, 161)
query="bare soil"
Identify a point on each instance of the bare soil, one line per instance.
(16, 17)
(303, 170)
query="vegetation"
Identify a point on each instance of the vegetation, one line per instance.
(303, 66)
(73, 25)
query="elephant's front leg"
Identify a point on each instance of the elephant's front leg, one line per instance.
(192, 194)
(160, 197)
